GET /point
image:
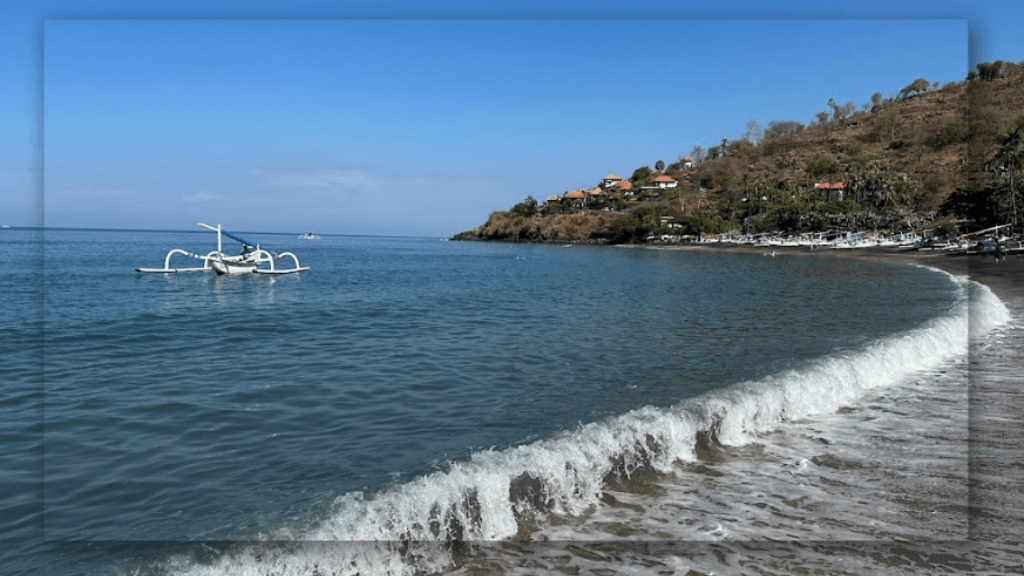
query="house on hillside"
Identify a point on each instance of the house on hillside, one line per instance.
(575, 198)
(667, 221)
(830, 191)
(660, 183)
(610, 180)
(665, 182)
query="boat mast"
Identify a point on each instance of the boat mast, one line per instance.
(220, 247)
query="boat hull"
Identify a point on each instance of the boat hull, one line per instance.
(232, 268)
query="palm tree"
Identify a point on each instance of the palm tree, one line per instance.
(1011, 142)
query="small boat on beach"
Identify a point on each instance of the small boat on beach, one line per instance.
(309, 236)
(253, 259)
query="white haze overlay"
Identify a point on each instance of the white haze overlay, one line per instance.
(405, 529)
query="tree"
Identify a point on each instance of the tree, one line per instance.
(915, 87)
(822, 167)
(754, 132)
(527, 207)
(988, 72)
(835, 108)
(905, 194)
(876, 99)
(702, 224)
(981, 207)
(636, 225)
(781, 129)
(822, 117)
(889, 122)
(659, 165)
(642, 176)
(697, 154)
(847, 110)
(1011, 146)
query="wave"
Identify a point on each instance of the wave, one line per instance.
(412, 527)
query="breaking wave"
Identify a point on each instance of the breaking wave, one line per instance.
(413, 527)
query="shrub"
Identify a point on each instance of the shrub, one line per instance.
(845, 206)
(822, 167)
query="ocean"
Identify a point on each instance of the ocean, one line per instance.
(418, 406)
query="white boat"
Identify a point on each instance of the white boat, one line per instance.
(252, 260)
(309, 236)
(241, 264)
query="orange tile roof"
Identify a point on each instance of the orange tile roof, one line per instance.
(595, 192)
(612, 177)
(574, 194)
(626, 185)
(664, 178)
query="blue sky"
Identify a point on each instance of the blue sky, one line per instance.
(420, 118)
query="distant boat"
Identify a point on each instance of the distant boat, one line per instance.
(5, 226)
(309, 236)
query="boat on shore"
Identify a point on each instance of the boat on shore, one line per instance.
(253, 259)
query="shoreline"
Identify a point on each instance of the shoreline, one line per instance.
(1004, 278)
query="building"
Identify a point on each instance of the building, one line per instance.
(575, 197)
(830, 191)
(665, 182)
(610, 180)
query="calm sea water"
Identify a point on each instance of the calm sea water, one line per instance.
(408, 393)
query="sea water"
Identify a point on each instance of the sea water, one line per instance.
(411, 404)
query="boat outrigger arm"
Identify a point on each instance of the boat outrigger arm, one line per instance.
(249, 261)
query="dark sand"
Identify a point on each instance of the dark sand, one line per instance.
(1003, 277)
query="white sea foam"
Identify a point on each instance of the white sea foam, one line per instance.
(405, 529)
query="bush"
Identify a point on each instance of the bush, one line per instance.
(845, 206)
(782, 129)
(907, 194)
(702, 224)
(822, 167)
(860, 162)
(953, 132)
(946, 229)
(636, 225)
(642, 176)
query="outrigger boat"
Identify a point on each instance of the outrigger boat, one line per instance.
(251, 259)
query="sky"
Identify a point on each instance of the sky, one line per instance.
(420, 118)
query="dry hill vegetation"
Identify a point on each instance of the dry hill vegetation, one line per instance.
(945, 158)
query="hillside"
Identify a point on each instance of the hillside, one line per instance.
(930, 156)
